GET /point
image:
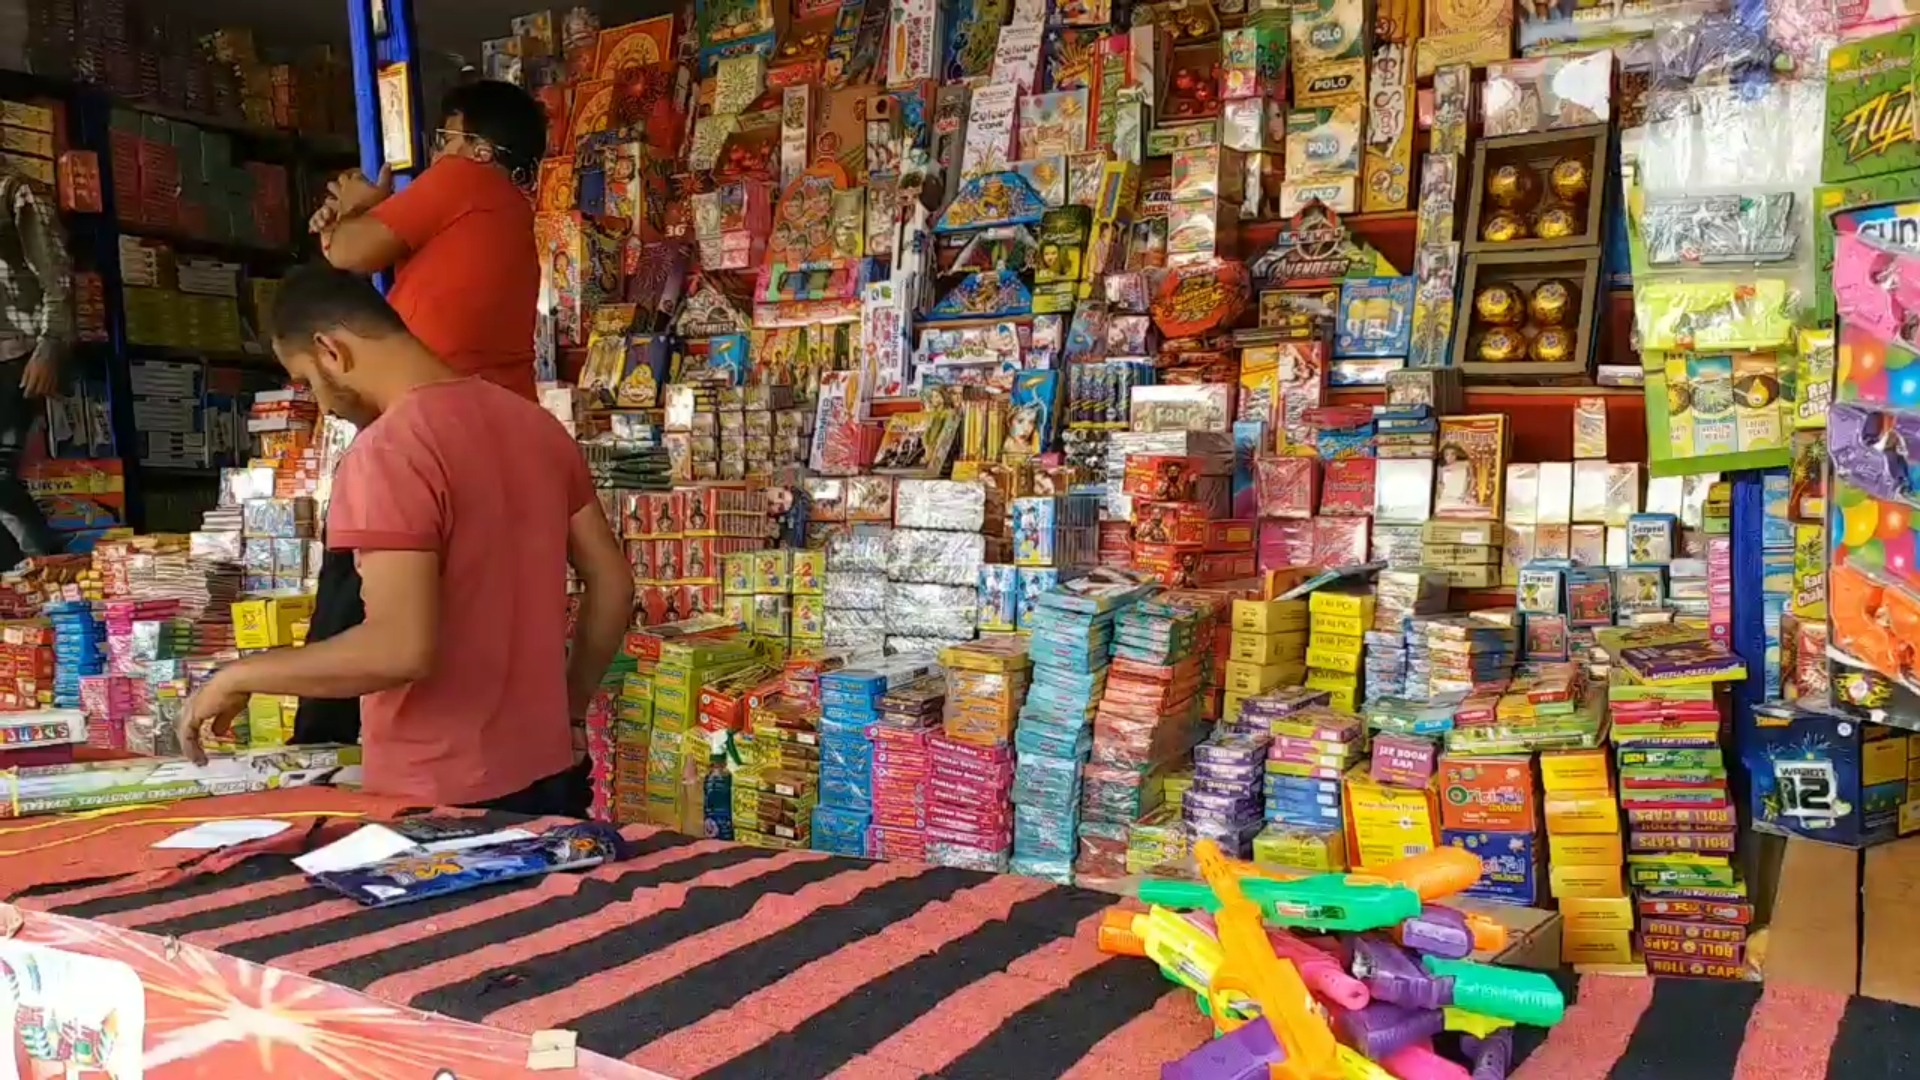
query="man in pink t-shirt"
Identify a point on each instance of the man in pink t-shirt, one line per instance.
(463, 504)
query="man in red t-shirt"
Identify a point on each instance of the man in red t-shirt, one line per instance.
(463, 505)
(461, 235)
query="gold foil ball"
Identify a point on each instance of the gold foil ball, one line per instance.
(1512, 187)
(1569, 179)
(1504, 227)
(1556, 223)
(1500, 305)
(1503, 344)
(1551, 303)
(1552, 345)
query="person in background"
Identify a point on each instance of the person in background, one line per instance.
(466, 281)
(36, 332)
(463, 506)
(460, 237)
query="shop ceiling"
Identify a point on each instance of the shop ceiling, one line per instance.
(450, 26)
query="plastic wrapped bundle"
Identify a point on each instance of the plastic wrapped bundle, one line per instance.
(939, 558)
(933, 611)
(951, 505)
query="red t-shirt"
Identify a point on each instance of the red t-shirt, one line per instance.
(471, 281)
(490, 482)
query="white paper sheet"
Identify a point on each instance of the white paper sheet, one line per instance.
(209, 835)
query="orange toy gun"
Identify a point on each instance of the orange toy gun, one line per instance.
(1252, 971)
(1441, 873)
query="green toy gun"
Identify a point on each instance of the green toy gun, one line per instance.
(1323, 902)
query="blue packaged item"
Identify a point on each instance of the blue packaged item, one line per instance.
(1057, 870)
(1047, 740)
(841, 831)
(1511, 864)
(406, 879)
(1046, 834)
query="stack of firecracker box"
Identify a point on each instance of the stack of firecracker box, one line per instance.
(970, 807)
(1669, 729)
(1337, 627)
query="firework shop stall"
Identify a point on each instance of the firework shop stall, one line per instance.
(1208, 539)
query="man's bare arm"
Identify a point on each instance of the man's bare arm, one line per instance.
(605, 609)
(393, 647)
(362, 244)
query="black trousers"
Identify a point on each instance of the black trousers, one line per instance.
(25, 530)
(566, 794)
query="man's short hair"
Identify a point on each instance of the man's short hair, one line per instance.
(316, 297)
(504, 115)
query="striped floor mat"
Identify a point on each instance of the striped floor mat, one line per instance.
(705, 960)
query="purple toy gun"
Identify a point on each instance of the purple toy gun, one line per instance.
(1392, 976)
(1381, 1029)
(1319, 969)
(1491, 1056)
(1438, 931)
(1245, 1053)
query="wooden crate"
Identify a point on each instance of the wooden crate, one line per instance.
(1524, 270)
(1538, 150)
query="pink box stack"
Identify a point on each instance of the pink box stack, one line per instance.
(969, 816)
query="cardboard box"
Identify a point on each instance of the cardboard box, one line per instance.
(1576, 771)
(1269, 616)
(1511, 868)
(1584, 814)
(1597, 914)
(1601, 882)
(1386, 823)
(1594, 849)
(1494, 794)
(268, 622)
(1264, 649)
(1595, 946)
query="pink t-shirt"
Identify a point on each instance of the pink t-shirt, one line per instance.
(490, 481)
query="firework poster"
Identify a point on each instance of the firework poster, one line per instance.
(62, 1011)
(80, 998)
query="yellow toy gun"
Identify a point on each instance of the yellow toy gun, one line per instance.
(1250, 969)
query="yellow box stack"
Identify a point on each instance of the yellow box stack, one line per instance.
(1267, 649)
(1586, 857)
(1336, 644)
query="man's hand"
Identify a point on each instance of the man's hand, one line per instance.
(353, 194)
(324, 218)
(41, 377)
(215, 703)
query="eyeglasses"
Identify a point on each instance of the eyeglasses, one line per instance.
(444, 136)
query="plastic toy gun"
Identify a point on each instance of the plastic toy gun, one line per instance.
(1319, 969)
(1391, 976)
(1251, 970)
(1322, 902)
(1492, 1056)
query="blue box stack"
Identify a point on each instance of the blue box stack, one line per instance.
(849, 706)
(79, 648)
(1071, 645)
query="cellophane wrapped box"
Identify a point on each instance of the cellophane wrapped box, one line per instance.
(950, 505)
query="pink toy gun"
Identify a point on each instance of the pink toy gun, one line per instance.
(1319, 969)
(1418, 1062)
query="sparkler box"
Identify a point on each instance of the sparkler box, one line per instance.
(60, 789)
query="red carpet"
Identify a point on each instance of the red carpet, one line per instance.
(702, 959)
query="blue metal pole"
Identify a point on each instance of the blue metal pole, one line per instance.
(366, 93)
